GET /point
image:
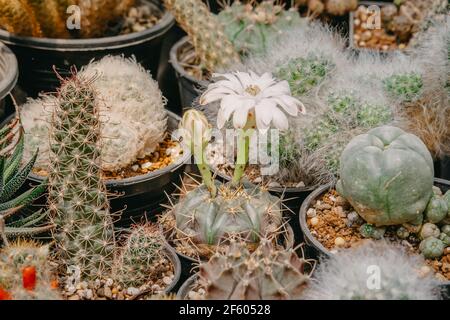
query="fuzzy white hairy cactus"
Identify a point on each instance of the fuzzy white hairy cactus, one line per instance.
(133, 115)
(349, 274)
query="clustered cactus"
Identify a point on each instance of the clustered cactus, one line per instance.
(48, 18)
(250, 26)
(12, 178)
(25, 272)
(77, 196)
(373, 271)
(143, 248)
(206, 33)
(268, 273)
(132, 114)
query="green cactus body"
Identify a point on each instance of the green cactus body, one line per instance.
(432, 248)
(436, 210)
(446, 229)
(77, 196)
(250, 27)
(206, 33)
(305, 74)
(387, 176)
(266, 274)
(247, 212)
(429, 230)
(404, 87)
(143, 248)
(370, 231)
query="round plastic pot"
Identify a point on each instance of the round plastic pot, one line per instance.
(9, 72)
(293, 199)
(186, 286)
(442, 168)
(141, 195)
(316, 250)
(37, 56)
(180, 54)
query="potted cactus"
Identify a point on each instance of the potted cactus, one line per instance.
(386, 192)
(206, 215)
(9, 72)
(218, 41)
(268, 273)
(139, 158)
(58, 33)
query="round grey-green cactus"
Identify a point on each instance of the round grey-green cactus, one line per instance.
(437, 209)
(387, 176)
(432, 248)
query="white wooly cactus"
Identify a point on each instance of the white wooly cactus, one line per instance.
(352, 274)
(133, 115)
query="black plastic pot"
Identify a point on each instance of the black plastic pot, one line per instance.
(9, 72)
(184, 289)
(181, 54)
(37, 56)
(442, 168)
(140, 195)
(294, 197)
(316, 250)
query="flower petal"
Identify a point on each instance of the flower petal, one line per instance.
(227, 107)
(290, 104)
(278, 89)
(279, 119)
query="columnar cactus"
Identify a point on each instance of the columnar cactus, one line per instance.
(206, 33)
(387, 176)
(132, 113)
(143, 248)
(48, 18)
(268, 273)
(249, 27)
(25, 272)
(77, 196)
(373, 271)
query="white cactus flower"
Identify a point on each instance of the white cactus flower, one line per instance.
(253, 100)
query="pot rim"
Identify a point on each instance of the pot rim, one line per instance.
(131, 180)
(176, 265)
(182, 292)
(11, 73)
(92, 44)
(173, 59)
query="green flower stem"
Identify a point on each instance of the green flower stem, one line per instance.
(243, 146)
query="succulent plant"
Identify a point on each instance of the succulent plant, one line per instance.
(373, 271)
(432, 247)
(340, 7)
(384, 191)
(48, 18)
(142, 250)
(77, 197)
(305, 74)
(404, 87)
(250, 26)
(25, 272)
(206, 33)
(12, 178)
(268, 273)
(133, 117)
(437, 209)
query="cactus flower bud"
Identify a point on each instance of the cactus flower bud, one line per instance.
(195, 129)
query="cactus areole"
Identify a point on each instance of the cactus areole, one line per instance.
(387, 176)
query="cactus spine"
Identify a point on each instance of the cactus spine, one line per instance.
(77, 196)
(206, 33)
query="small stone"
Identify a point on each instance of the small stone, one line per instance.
(80, 293)
(339, 242)
(424, 271)
(114, 291)
(194, 295)
(146, 165)
(314, 221)
(89, 294)
(133, 291)
(97, 283)
(108, 293)
(167, 280)
(109, 282)
(84, 285)
(257, 180)
(135, 168)
(323, 206)
(101, 292)
(353, 217)
(120, 296)
(74, 297)
(156, 287)
(301, 184)
(274, 184)
(311, 213)
(340, 212)
(71, 290)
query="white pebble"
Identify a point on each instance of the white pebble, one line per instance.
(167, 280)
(257, 180)
(133, 291)
(109, 282)
(89, 294)
(314, 221)
(311, 212)
(274, 184)
(135, 167)
(146, 165)
(301, 184)
(339, 241)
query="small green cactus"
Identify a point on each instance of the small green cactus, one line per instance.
(370, 231)
(404, 87)
(429, 230)
(250, 26)
(437, 209)
(206, 33)
(432, 248)
(77, 197)
(269, 273)
(142, 250)
(305, 74)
